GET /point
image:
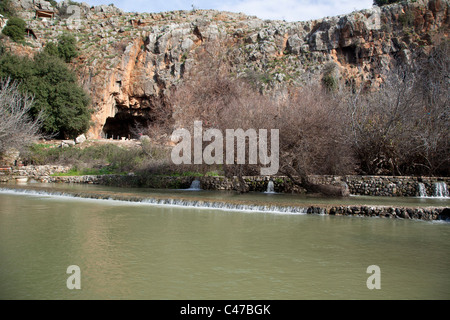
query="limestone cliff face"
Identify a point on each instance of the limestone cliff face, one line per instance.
(129, 61)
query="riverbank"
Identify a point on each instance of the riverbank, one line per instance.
(383, 186)
(237, 203)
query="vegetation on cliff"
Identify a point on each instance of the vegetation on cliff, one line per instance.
(65, 48)
(55, 90)
(15, 29)
(6, 8)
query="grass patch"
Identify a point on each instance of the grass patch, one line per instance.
(191, 174)
(104, 159)
(88, 172)
(97, 159)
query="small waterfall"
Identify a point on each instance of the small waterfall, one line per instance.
(195, 185)
(199, 204)
(422, 190)
(270, 187)
(440, 190)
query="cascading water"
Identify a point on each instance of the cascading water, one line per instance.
(270, 187)
(199, 204)
(422, 190)
(195, 185)
(440, 190)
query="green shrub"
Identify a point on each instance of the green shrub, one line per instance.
(330, 82)
(329, 78)
(67, 48)
(15, 29)
(55, 89)
(51, 49)
(7, 9)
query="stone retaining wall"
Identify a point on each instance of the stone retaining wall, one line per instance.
(387, 186)
(427, 214)
(358, 185)
(31, 171)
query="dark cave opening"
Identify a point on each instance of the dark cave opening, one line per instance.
(350, 54)
(125, 124)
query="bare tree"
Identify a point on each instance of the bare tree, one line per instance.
(433, 85)
(380, 123)
(404, 126)
(313, 138)
(17, 128)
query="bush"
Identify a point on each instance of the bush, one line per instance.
(15, 29)
(330, 77)
(55, 90)
(404, 127)
(51, 49)
(66, 48)
(7, 9)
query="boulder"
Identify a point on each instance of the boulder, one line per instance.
(80, 139)
(67, 143)
(44, 5)
(294, 44)
(187, 44)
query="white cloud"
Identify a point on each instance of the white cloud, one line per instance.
(290, 10)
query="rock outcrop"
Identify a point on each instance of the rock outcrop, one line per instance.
(129, 61)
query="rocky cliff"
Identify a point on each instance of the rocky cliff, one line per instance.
(129, 61)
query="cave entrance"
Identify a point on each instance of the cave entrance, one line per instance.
(350, 54)
(125, 124)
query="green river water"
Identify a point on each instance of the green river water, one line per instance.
(130, 250)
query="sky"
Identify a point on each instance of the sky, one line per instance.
(289, 10)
